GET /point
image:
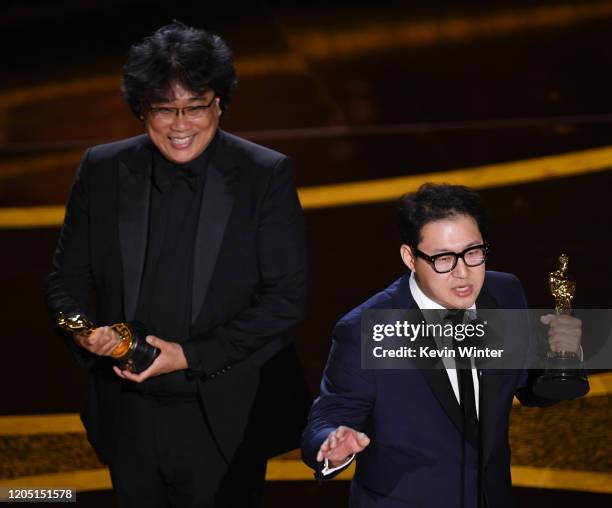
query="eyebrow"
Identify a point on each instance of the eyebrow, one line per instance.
(168, 100)
(196, 99)
(442, 251)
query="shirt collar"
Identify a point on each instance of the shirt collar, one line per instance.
(166, 172)
(422, 300)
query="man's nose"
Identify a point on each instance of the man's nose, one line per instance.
(461, 269)
(180, 121)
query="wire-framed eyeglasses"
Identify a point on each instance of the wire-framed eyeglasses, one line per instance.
(168, 113)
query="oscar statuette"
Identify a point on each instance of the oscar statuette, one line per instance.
(562, 378)
(132, 353)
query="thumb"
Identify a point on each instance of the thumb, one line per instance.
(546, 319)
(363, 440)
(153, 340)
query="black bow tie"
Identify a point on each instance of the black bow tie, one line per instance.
(455, 316)
(189, 175)
(167, 174)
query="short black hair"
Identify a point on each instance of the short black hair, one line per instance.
(177, 53)
(432, 202)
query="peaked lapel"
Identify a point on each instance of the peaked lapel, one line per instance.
(217, 203)
(134, 198)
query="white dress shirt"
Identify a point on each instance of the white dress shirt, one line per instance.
(423, 302)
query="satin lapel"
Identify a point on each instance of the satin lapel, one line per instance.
(439, 383)
(490, 384)
(435, 376)
(134, 198)
(217, 204)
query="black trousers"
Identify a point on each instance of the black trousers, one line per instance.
(167, 457)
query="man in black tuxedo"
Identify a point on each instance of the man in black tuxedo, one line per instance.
(198, 235)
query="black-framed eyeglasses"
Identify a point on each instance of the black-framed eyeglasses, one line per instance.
(168, 113)
(447, 261)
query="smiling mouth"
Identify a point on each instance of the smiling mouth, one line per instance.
(182, 141)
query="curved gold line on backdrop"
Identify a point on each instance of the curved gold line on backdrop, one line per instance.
(385, 189)
(321, 45)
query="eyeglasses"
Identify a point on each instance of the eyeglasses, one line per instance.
(447, 261)
(167, 113)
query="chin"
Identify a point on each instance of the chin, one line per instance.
(179, 158)
(461, 303)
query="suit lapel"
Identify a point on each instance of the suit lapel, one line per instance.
(134, 199)
(435, 375)
(217, 204)
(489, 384)
(440, 385)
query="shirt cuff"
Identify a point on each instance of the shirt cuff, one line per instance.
(329, 470)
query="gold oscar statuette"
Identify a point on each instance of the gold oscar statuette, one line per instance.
(131, 353)
(562, 377)
(562, 289)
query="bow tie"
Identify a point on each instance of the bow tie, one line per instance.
(190, 176)
(455, 316)
(167, 174)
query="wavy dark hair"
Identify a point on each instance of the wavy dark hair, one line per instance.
(432, 202)
(177, 53)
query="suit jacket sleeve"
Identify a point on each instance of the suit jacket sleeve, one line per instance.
(277, 302)
(69, 287)
(528, 376)
(346, 398)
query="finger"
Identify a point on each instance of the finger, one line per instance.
(90, 340)
(319, 455)
(342, 431)
(110, 347)
(363, 440)
(136, 378)
(565, 335)
(106, 343)
(564, 345)
(574, 325)
(151, 370)
(118, 371)
(332, 441)
(325, 446)
(103, 337)
(323, 449)
(547, 319)
(110, 336)
(155, 341)
(569, 320)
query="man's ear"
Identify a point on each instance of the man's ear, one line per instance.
(407, 256)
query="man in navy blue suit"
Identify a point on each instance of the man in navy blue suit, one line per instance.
(428, 437)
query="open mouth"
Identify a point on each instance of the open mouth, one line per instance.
(463, 291)
(181, 141)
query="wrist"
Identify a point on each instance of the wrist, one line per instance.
(336, 463)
